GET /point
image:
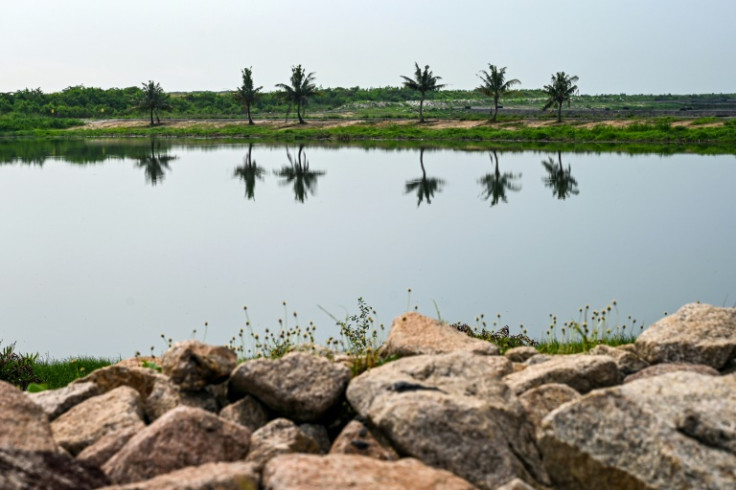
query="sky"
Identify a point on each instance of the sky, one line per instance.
(621, 46)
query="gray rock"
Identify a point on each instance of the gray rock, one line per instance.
(184, 436)
(581, 372)
(300, 386)
(340, 471)
(23, 424)
(280, 436)
(165, 396)
(447, 411)
(56, 402)
(86, 423)
(541, 400)
(670, 431)
(670, 367)
(104, 448)
(318, 433)
(111, 377)
(413, 334)
(628, 362)
(516, 484)
(46, 470)
(358, 438)
(539, 359)
(696, 333)
(193, 365)
(248, 412)
(520, 354)
(210, 476)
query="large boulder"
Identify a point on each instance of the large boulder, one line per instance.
(23, 425)
(165, 396)
(86, 423)
(696, 333)
(670, 367)
(670, 431)
(237, 475)
(193, 365)
(452, 411)
(248, 412)
(280, 436)
(628, 362)
(46, 470)
(414, 334)
(581, 372)
(521, 353)
(300, 386)
(339, 471)
(104, 448)
(110, 377)
(541, 400)
(56, 402)
(184, 436)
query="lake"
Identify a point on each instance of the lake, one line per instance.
(108, 244)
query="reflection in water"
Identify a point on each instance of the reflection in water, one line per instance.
(249, 172)
(154, 164)
(299, 176)
(561, 181)
(496, 184)
(425, 187)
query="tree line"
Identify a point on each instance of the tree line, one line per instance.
(80, 101)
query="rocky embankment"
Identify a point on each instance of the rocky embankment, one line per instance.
(450, 413)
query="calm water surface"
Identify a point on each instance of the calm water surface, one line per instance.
(107, 245)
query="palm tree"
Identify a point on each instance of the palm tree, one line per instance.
(423, 82)
(301, 87)
(425, 187)
(153, 99)
(297, 174)
(496, 184)
(559, 91)
(249, 172)
(495, 85)
(246, 94)
(155, 164)
(561, 181)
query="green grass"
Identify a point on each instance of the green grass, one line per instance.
(55, 374)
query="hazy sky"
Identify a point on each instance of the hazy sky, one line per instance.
(621, 46)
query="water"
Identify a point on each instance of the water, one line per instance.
(106, 245)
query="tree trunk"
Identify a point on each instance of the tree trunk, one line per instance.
(559, 112)
(421, 107)
(151, 116)
(247, 109)
(495, 107)
(299, 112)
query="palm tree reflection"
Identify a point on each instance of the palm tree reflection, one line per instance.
(249, 172)
(155, 164)
(425, 187)
(496, 184)
(558, 178)
(303, 180)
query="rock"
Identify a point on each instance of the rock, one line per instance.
(319, 434)
(193, 365)
(46, 470)
(457, 373)
(520, 354)
(413, 334)
(166, 396)
(56, 402)
(671, 367)
(449, 409)
(579, 371)
(23, 424)
(86, 423)
(539, 359)
(357, 438)
(669, 431)
(111, 377)
(339, 471)
(247, 412)
(300, 386)
(139, 362)
(696, 333)
(516, 484)
(628, 362)
(210, 476)
(280, 436)
(184, 436)
(541, 400)
(99, 452)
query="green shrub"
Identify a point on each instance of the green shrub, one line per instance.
(17, 369)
